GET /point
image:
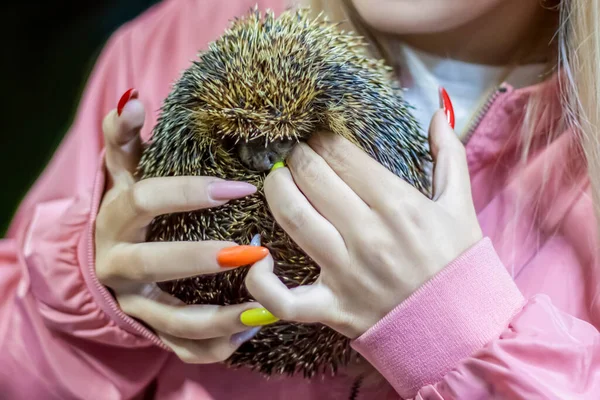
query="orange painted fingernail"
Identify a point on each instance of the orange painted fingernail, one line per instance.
(128, 95)
(239, 256)
(446, 104)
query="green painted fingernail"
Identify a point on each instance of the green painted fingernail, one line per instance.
(277, 165)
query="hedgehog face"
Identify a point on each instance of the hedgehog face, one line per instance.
(259, 88)
(260, 155)
(253, 111)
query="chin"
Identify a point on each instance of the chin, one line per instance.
(404, 17)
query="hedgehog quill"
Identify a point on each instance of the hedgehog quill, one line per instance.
(264, 85)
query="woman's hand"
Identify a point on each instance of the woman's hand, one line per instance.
(375, 237)
(130, 267)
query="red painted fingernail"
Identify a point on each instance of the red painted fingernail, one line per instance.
(446, 104)
(128, 95)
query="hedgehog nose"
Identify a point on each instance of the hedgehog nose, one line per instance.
(264, 161)
(273, 158)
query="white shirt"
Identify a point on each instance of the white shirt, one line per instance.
(467, 84)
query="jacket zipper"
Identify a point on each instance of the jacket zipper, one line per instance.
(482, 112)
(96, 198)
(355, 388)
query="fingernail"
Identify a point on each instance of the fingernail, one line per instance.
(258, 317)
(255, 240)
(228, 190)
(446, 105)
(277, 165)
(242, 337)
(128, 95)
(239, 256)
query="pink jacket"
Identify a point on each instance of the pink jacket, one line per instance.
(514, 317)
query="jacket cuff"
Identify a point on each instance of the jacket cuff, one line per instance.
(462, 308)
(87, 260)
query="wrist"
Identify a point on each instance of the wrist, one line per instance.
(450, 317)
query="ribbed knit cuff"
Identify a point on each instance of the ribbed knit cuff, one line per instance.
(456, 313)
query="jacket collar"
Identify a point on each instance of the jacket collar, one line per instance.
(500, 128)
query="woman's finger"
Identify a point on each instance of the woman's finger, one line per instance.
(451, 181)
(309, 229)
(165, 261)
(306, 304)
(168, 315)
(325, 190)
(209, 351)
(371, 181)
(133, 209)
(122, 138)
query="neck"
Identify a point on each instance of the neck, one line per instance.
(498, 38)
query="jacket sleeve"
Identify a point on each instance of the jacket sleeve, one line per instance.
(61, 334)
(469, 334)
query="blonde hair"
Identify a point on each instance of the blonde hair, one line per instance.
(577, 53)
(580, 56)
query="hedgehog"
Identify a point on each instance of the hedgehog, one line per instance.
(265, 85)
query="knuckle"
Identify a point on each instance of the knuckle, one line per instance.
(330, 144)
(458, 149)
(252, 281)
(102, 224)
(188, 357)
(128, 305)
(217, 353)
(176, 326)
(306, 164)
(381, 256)
(108, 211)
(336, 154)
(107, 269)
(217, 329)
(409, 211)
(405, 210)
(137, 266)
(103, 273)
(107, 127)
(186, 193)
(292, 216)
(139, 200)
(379, 251)
(284, 309)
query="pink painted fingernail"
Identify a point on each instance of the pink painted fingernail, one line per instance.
(228, 190)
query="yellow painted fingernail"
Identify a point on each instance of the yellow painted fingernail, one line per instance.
(277, 165)
(258, 317)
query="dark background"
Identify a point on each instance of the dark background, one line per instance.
(49, 49)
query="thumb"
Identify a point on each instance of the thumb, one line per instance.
(121, 129)
(451, 182)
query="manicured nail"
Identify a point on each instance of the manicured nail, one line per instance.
(277, 165)
(128, 95)
(242, 337)
(228, 190)
(255, 240)
(238, 256)
(258, 317)
(446, 105)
